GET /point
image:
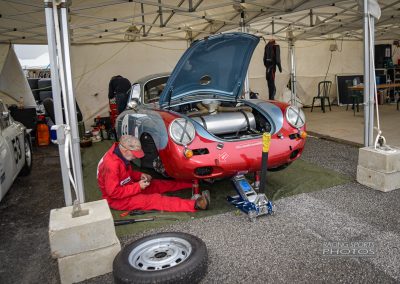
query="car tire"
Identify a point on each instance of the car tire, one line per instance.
(26, 169)
(172, 257)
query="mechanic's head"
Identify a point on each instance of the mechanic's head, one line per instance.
(130, 147)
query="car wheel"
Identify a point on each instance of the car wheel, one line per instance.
(28, 158)
(162, 258)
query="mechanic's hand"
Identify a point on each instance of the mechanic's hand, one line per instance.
(143, 184)
(146, 177)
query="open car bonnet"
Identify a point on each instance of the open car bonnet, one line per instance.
(215, 66)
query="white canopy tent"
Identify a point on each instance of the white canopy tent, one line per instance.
(13, 83)
(101, 21)
(135, 38)
(110, 37)
(116, 37)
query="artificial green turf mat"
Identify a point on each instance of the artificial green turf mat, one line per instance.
(299, 177)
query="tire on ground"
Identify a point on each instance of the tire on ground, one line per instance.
(191, 270)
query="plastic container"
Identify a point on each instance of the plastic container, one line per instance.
(42, 133)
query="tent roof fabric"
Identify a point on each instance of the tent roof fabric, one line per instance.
(101, 21)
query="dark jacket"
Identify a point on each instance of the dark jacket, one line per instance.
(117, 85)
(272, 56)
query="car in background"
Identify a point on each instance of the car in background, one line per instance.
(15, 150)
(193, 123)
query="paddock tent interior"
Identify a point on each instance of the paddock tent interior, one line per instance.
(136, 38)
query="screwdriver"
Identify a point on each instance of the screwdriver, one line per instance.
(137, 212)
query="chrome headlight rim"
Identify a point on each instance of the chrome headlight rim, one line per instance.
(299, 120)
(188, 131)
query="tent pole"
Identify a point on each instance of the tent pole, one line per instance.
(73, 123)
(55, 82)
(293, 100)
(369, 74)
(61, 74)
(246, 80)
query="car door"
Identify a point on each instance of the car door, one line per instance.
(11, 150)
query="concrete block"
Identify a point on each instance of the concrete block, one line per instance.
(378, 160)
(378, 180)
(85, 265)
(70, 236)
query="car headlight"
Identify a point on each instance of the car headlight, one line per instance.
(182, 131)
(295, 116)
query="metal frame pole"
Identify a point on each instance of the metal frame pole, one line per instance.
(73, 123)
(58, 41)
(246, 80)
(55, 82)
(293, 95)
(369, 75)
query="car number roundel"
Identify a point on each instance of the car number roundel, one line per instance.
(124, 125)
(131, 123)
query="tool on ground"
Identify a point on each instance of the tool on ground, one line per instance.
(248, 200)
(137, 212)
(153, 218)
(142, 212)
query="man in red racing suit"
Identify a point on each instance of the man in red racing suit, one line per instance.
(126, 189)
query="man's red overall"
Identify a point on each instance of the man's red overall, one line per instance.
(119, 185)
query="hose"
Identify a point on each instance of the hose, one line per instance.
(202, 110)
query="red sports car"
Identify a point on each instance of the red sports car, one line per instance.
(193, 124)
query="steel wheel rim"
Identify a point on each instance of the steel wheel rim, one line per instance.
(160, 254)
(28, 156)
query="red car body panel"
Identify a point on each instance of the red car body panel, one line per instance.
(233, 157)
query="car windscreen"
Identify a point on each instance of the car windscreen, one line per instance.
(153, 89)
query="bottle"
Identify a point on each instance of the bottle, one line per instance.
(355, 82)
(42, 132)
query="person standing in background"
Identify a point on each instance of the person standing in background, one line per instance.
(272, 58)
(118, 88)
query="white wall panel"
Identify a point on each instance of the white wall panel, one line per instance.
(94, 65)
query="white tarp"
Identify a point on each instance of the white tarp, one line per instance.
(13, 83)
(94, 65)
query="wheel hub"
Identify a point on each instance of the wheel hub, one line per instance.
(160, 254)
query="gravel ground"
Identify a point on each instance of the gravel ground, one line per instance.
(284, 248)
(24, 220)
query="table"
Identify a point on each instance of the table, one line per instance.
(378, 87)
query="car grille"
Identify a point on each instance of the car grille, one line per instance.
(203, 171)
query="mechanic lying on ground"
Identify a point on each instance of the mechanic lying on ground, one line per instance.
(127, 189)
